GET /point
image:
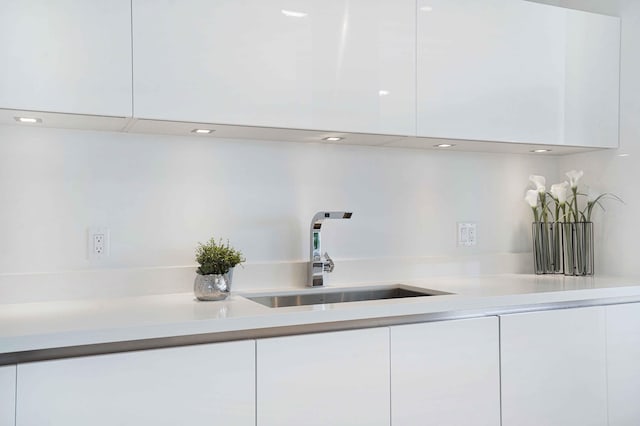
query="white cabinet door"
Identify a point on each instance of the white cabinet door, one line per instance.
(488, 70)
(311, 64)
(517, 71)
(446, 373)
(592, 79)
(8, 395)
(623, 364)
(338, 378)
(71, 56)
(195, 385)
(554, 368)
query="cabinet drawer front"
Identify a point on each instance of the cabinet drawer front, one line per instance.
(447, 372)
(338, 378)
(7, 395)
(554, 368)
(189, 385)
(623, 364)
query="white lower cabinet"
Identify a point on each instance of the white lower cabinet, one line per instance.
(446, 373)
(8, 395)
(554, 368)
(194, 385)
(623, 364)
(567, 367)
(337, 378)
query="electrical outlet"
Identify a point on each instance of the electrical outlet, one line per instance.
(98, 243)
(467, 234)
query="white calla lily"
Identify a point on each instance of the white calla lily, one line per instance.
(539, 182)
(560, 191)
(574, 176)
(532, 198)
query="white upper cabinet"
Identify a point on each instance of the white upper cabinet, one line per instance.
(488, 70)
(307, 64)
(479, 70)
(68, 56)
(592, 79)
(517, 71)
(7, 395)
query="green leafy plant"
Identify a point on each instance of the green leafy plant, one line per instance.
(217, 258)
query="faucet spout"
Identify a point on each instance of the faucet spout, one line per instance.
(319, 264)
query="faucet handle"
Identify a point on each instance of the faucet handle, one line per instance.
(328, 263)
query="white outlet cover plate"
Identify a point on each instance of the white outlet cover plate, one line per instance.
(92, 254)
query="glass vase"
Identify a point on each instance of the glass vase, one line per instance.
(578, 248)
(547, 247)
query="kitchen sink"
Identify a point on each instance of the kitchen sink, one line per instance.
(313, 296)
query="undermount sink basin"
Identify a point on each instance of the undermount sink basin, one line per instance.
(314, 296)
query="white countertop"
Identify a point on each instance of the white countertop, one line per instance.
(52, 325)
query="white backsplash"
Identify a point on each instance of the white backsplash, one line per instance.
(160, 195)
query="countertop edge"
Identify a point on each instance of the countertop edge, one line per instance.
(52, 346)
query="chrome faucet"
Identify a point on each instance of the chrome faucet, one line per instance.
(319, 264)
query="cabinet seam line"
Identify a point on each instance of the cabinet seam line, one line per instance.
(131, 32)
(500, 366)
(606, 362)
(15, 399)
(415, 67)
(619, 80)
(255, 382)
(390, 379)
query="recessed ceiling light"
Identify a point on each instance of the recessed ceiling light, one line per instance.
(383, 92)
(202, 131)
(332, 139)
(444, 145)
(623, 155)
(538, 151)
(293, 13)
(426, 8)
(30, 120)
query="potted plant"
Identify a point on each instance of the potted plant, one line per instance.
(214, 275)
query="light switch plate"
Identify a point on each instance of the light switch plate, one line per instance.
(467, 234)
